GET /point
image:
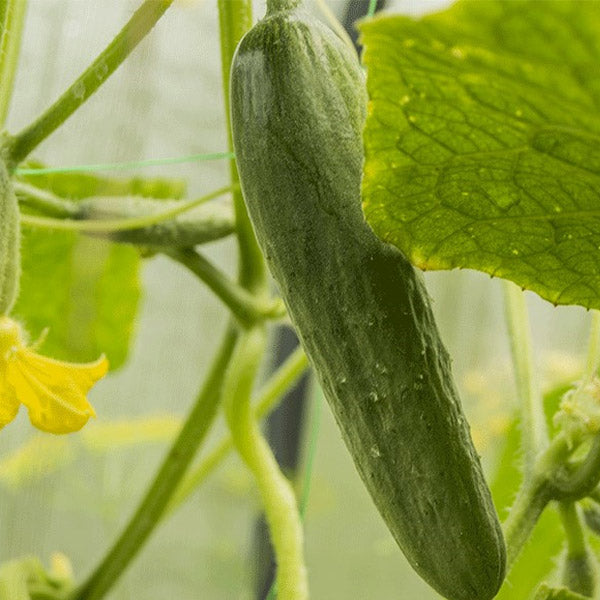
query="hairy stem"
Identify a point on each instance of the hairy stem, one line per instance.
(593, 354)
(235, 18)
(584, 479)
(112, 225)
(277, 495)
(246, 308)
(268, 398)
(524, 514)
(534, 433)
(45, 201)
(578, 569)
(12, 18)
(142, 21)
(148, 513)
(535, 493)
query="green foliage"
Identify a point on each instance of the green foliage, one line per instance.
(75, 186)
(86, 291)
(42, 455)
(83, 289)
(483, 142)
(545, 592)
(9, 243)
(204, 223)
(361, 311)
(537, 560)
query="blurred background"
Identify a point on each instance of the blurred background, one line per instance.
(72, 495)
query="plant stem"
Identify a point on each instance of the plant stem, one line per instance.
(235, 18)
(112, 225)
(535, 493)
(45, 201)
(524, 514)
(12, 18)
(277, 495)
(148, 513)
(593, 354)
(584, 480)
(142, 21)
(578, 571)
(268, 398)
(308, 472)
(574, 532)
(534, 433)
(246, 308)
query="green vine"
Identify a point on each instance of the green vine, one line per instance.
(165, 482)
(534, 435)
(277, 495)
(235, 18)
(578, 569)
(267, 399)
(247, 308)
(142, 21)
(12, 17)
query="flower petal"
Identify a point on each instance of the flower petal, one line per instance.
(53, 391)
(9, 405)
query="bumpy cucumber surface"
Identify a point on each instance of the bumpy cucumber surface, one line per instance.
(298, 106)
(9, 242)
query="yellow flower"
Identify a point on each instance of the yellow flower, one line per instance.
(53, 391)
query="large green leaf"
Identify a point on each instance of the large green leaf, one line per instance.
(85, 290)
(483, 142)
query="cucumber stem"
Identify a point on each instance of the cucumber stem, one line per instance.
(112, 225)
(593, 353)
(247, 308)
(142, 21)
(278, 499)
(157, 497)
(534, 433)
(578, 569)
(46, 202)
(268, 398)
(584, 480)
(524, 514)
(235, 18)
(535, 493)
(12, 18)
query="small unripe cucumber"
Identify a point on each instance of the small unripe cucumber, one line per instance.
(298, 105)
(10, 242)
(205, 223)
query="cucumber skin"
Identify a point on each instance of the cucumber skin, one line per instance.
(298, 107)
(10, 242)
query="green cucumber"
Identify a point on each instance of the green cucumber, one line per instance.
(298, 105)
(205, 223)
(10, 242)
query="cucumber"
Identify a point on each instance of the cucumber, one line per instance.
(298, 105)
(10, 242)
(205, 223)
